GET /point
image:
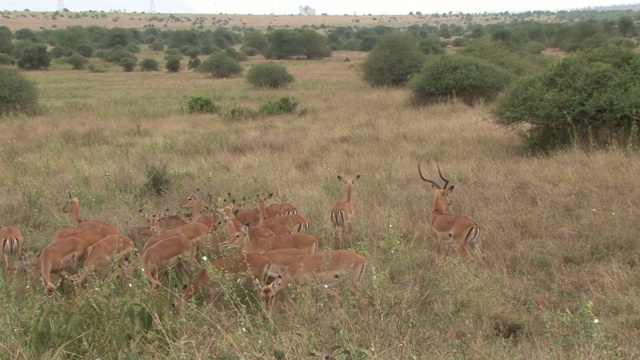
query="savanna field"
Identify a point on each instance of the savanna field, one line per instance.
(560, 279)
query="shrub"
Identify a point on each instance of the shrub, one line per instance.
(17, 93)
(173, 64)
(269, 75)
(249, 51)
(77, 61)
(235, 54)
(60, 51)
(392, 60)
(158, 179)
(97, 68)
(128, 64)
(285, 105)
(221, 65)
(591, 97)
(149, 65)
(34, 57)
(455, 76)
(156, 46)
(199, 104)
(6, 59)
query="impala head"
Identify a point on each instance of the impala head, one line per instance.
(72, 203)
(154, 219)
(440, 191)
(349, 181)
(239, 239)
(270, 291)
(191, 200)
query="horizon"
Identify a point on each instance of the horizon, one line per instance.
(286, 8)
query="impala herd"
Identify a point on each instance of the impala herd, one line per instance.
(269, 244)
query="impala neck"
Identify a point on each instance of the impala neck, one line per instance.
(75, 215)
(197, 209)
(263, 212)
(349, 193)
(439, 204)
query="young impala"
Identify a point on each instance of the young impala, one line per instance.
(451, 229)
(342, 212)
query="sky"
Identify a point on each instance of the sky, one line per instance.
(330, 7)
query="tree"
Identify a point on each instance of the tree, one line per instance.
(17, 93)
(454, 76)
(393, 60)
(590, 97)
(285, 43)
(34, 57)
(627, 27)
(257, 40)
(6, 38)
(221, 65)
(269, 75)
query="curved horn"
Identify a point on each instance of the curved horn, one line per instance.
(427, 180)
(446, 181)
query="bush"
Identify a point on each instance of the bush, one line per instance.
(60, 52)
(149, 65)
(236, 55)
(17, 93)
(220, 65)
(34, 57)
(392, 60)
(128, 64)
(159, 179)
(269, 75)
(156, 46)
(461, 77)
(97, 68)
(6, 59)
(173, 64)
(77, 61)
(588, 98)
(249, 51)
(199, 104)
(285, 105)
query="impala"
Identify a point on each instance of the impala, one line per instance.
(59, 255)
(342, 212)
(104, 252)
(327, 269)
(255, 265)
(166, 254)
(191, 231)
(154, 222)
(193, 201)
(451, 229)
(277, 227)
(302, 241)
(72, 207)
(12, 242)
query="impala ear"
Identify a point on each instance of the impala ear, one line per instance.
(339, 177)
(357, 177)
(450, 188)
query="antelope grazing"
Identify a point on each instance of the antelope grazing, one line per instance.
(240, 240)
(167, 254)
(72, 207)
(104, 252)
(327, 269)
(192, 231)
(342, 212)
(255, 265)
(58, 256)
(451, 229)
(12, 243)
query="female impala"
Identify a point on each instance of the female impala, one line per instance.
(447, 229)
(343, 212)
(11, 241)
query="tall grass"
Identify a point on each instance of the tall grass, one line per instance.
(558, 231)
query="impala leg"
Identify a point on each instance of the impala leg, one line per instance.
(462, 249)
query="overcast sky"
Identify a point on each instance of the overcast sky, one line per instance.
(331, 7)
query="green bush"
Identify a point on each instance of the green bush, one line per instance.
(6, 59)
(249, 51)
(17, 93)
(159, 180)
(60, 51)
(97, 68)
(516, 62)
(200, 104)
(34, 57)
(173, 64)
(221, 65)
(590, 98)
(149, 65)
(393, 60)
(128, 64)
(461, 77)
(285, 105)
(235, 54)
(77, 61)
(156, 46)
(269, 75)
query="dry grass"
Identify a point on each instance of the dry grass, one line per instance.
(558, 231)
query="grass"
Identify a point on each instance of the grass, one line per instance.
(558, 231)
